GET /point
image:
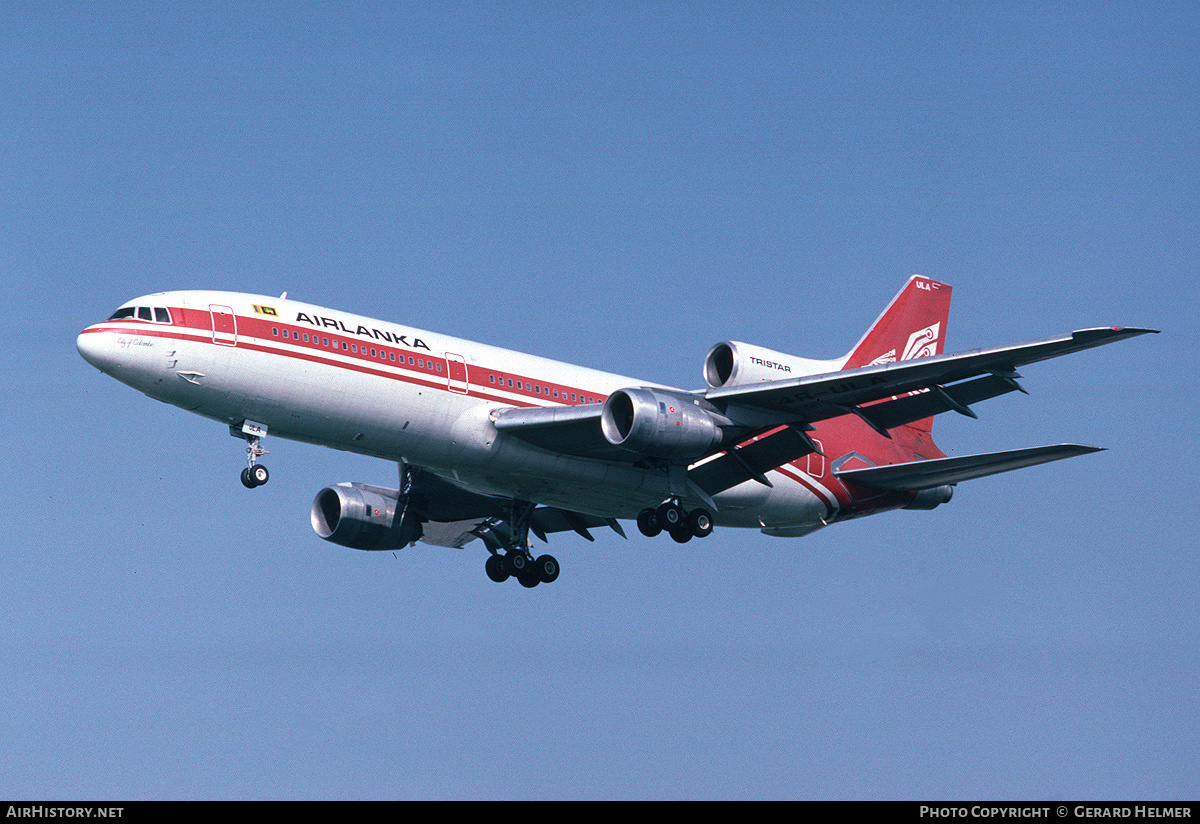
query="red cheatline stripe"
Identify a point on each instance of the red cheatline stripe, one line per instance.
(403, 371)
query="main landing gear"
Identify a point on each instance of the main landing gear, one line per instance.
(255, 474)
(671, 518)
(517, 561)
(520, 564)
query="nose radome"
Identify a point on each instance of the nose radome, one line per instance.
(95, 348)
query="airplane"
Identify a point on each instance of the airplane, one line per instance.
(497, 445)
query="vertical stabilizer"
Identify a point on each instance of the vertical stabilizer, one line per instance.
(912, 326)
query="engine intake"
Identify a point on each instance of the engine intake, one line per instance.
(361, 517)
(657, 424)
(731, 363)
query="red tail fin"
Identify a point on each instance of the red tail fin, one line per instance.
(912, 326)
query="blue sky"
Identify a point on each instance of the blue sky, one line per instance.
(619, 185)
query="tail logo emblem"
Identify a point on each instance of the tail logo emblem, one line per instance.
(922, 343)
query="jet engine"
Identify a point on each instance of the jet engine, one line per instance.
(658, 424)
(731, 363)
(362, 517)
(931, 498)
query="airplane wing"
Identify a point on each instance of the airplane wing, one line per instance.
(769, 419)
(452, 515)
(497, 532)
(571, 430)
(817, 397)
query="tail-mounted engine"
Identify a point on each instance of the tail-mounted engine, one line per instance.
(658, 424)
(362, 517)
(731, 363)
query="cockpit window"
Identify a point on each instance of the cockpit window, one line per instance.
(156, 314)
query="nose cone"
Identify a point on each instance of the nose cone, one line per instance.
(96, 348)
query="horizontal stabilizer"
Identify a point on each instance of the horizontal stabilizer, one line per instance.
(928, 474)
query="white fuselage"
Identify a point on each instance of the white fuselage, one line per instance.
(367, 386)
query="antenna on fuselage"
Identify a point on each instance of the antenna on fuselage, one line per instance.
(283, 296)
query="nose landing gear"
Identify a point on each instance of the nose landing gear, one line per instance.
(255, 474)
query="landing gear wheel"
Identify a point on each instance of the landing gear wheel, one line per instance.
(529, 579)
(546, 567)
(516, 563)
(647, 521)
(669, 515)
(496, 569)
(681, 534)
(256, 475)
(700, 523)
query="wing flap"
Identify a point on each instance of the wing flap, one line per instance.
(751, 460)
(919, 475)
(957, 397)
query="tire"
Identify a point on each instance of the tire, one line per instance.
(247, 480)
(647, 522)
(495, 568)
(681, 534)
(700, 522)
(516, 563)
(669, 515)
(547, 568)
(259, 474)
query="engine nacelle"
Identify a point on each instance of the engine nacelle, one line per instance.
(658, 424)
(731, 363)
(361, 517)
(931, 498)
